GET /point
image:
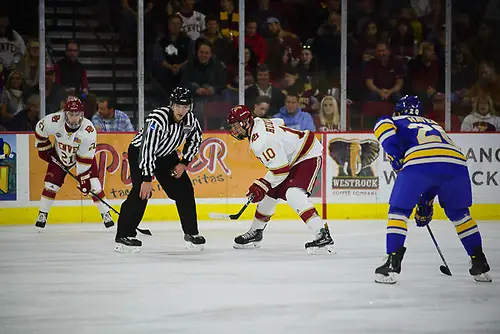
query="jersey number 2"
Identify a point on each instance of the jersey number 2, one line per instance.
(424, 138)
(67, 159)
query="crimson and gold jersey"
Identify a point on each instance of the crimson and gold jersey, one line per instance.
(71, 148)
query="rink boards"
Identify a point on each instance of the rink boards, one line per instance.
(355, 181)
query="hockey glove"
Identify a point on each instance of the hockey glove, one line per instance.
(396, 164)
(45, 150)
(258, 190)
(84, 180)
(424, 212)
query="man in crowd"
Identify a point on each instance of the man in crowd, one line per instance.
(110, 119)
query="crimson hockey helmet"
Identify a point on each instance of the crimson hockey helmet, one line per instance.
(74, 113)
(240, 120)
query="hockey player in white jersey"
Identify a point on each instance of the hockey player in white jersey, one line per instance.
(293, 160)
(75, 144)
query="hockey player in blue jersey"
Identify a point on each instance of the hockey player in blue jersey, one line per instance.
(428, 164)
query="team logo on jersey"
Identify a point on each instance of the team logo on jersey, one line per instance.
(58, 134)
(171, 50)
(354, 159)
(187, 129)
(483, 127)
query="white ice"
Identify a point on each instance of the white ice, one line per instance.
(69, 280)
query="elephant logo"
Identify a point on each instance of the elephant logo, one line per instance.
(354, 159)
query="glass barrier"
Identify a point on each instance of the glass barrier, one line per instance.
(18, 65)
(393, 48)
(88, 61)
(475, 83)
(393, 51)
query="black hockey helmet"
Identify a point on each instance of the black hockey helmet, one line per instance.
(181, 95)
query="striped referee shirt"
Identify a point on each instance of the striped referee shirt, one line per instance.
(162, 135)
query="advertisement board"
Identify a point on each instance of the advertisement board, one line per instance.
(223, 168)
(358, 170)
(483, 159)
(353, 169)
(8, 167)
(356, 177)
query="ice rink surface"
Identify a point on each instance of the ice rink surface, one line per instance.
(68, 280)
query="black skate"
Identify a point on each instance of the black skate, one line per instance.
(128, 245)
(323, 240)
(389, 271)
(479, 266)
(41, 221)
(194, 241)
(250, 239)
(107, 220)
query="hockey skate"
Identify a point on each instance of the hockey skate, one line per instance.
(323, 241)
(389, 271)
(250, 239)
(107, 220)
(479, 266)
(127, 245)
(195, 241)
(41, 221)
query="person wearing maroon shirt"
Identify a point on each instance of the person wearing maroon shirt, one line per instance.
(384, 75)
(424, 73)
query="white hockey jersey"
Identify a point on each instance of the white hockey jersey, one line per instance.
(71, 148)
(280, 148)
(193, 25)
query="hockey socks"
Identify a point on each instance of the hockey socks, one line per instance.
(468, 233)
(48, 195)
(397, 228)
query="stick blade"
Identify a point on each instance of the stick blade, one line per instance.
(445, 270)
(144, 231)
(215, 215)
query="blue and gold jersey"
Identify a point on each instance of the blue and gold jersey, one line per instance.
(413, 140)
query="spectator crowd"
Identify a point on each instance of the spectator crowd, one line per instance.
(291, 59)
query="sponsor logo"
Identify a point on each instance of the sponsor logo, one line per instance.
(354, 159)
(8, 163)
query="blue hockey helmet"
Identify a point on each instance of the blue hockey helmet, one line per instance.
(408, 105)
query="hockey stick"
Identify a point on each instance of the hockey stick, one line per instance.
(143, 231)
(444, 269)
(225, 216)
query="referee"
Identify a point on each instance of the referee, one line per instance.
(153, 151)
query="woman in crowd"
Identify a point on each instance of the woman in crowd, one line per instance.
(12, 97)
(30, 63)
(329, 116)
(483, 117)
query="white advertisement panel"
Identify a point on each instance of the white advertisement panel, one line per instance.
(483, 159)
(358, 171)
(353, 168)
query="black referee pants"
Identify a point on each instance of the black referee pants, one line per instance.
(180, 190)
